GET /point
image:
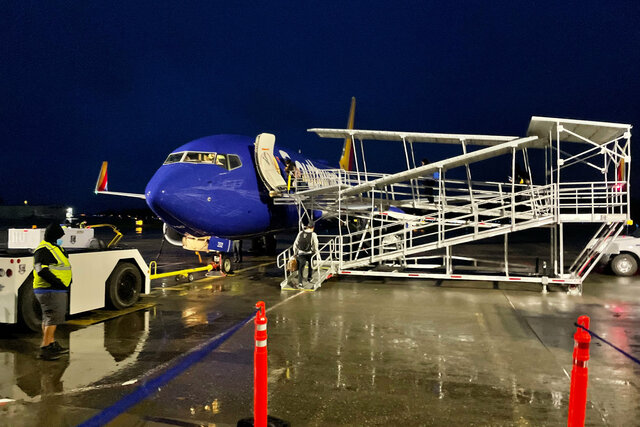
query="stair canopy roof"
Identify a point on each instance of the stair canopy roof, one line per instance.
(443, 165)
(383, 135)
(597, 132)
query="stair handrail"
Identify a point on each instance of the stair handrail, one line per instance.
(543, 200)
(319, 261)
(329, 248)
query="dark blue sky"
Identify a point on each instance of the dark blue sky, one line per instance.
(82, 82)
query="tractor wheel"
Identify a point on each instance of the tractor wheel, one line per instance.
(124, 285)
(29, 311)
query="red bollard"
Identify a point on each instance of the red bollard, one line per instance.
(260, 369)
(579, 375)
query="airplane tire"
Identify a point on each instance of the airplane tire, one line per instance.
(29, 311)
(624, 265)
(123, 286)
(227, 265)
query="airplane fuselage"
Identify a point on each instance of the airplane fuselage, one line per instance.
(210, 186)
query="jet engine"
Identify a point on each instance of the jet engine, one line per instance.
(171, 235)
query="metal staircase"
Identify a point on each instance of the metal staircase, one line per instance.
(591, 254)
(322, 263)
(391, 220)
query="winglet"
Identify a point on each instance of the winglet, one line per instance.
(347, 159)
(101, 184)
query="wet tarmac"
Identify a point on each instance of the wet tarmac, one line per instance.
(374, 352)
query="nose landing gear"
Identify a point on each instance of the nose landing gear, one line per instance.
(222, 263)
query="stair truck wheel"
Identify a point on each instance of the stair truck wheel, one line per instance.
(123, 286)
(624, 265)
(29, 311)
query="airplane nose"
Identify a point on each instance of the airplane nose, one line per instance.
(170, 198)
(204, 201)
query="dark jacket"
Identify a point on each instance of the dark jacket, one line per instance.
(44, 257)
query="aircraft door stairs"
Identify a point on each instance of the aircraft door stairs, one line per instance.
(267, 165)
(389, 226)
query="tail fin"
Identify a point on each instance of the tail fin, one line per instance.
(101, 184)
(347, 159)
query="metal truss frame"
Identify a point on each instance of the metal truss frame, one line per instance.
(391, 218)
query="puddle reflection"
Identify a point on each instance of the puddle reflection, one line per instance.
(95, 353)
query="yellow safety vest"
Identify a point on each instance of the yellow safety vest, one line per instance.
(62, 269)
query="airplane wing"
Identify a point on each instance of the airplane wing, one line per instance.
(101, 185)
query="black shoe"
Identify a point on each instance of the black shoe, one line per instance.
(60, 349)
(48, 353)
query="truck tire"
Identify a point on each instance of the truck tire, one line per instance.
(123, 286)
(624, 265)
(29, 311)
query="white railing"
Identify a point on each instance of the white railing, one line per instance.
(325, 256)
(459, 211)
(402, 237)
(593, 198)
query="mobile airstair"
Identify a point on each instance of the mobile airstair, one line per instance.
(410, 223)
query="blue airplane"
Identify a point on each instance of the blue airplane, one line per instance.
(219, 188)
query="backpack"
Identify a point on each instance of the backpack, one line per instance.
(304, 242)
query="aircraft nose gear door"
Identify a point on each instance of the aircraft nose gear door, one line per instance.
(267, 165)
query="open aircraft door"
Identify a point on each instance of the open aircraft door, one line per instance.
(266, 163)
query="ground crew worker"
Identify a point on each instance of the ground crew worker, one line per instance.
(51, 281)
(305, 246)
(237, 250)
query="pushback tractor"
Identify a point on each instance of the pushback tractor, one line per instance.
(102, 276)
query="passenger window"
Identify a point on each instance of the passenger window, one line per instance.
(234, 161)
(173, 158)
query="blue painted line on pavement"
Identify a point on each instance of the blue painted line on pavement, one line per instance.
(151, 386)
(593, 334)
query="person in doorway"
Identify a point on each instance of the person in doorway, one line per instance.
(237, 251)
(51, 282)
(305, 246)
(429, 183)
(293, 174)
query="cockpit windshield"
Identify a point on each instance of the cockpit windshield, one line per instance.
(173, 158)
(227, 161)
(195, 157)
